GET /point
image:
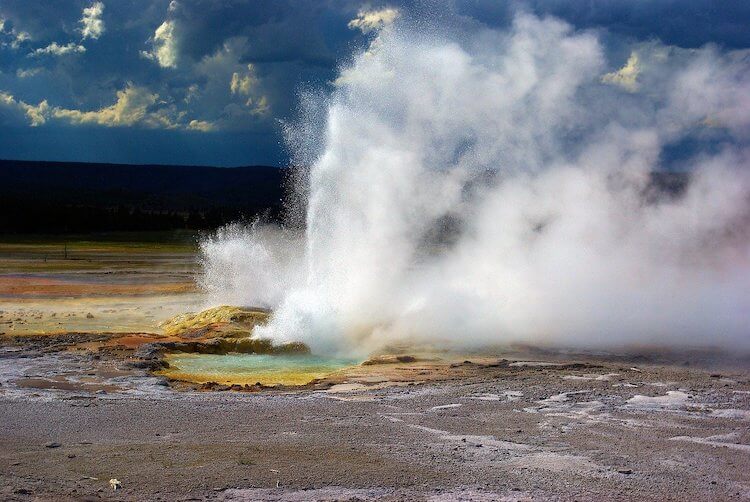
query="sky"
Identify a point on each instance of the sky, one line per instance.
(207, 82)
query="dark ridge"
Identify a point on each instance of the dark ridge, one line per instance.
(64, 197)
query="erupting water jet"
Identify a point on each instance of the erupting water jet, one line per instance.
(478, 187)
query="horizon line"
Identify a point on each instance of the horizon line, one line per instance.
(145, 164)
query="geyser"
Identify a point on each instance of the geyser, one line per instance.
(474, 186)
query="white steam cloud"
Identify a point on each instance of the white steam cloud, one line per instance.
(489, 187)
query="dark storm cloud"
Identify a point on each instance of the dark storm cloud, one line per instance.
(208, 80)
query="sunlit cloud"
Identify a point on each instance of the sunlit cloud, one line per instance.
(258, 106)
(195, 54)
(35, 115)
(55, 49)
(17, 38)
(135, 107)
(92, 24)
(28, 72)
(627, 76)
(242, 84)
(201, 125)
(21, 37)
(165, 46)
(132, 107)
(373, 20)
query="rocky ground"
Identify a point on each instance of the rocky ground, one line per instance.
(491, 427)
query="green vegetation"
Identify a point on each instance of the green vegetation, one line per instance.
(111, 251)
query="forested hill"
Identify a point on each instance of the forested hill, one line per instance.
(62, 197)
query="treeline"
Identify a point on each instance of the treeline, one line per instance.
(55, 197)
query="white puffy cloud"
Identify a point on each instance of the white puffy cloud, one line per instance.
(9, 107)
(165, 44)
(135, 106)
(627, 76)
(6, 99)
(38, 114)
(16, 37)
(201, 125)
(258, 106)
(373, 20)
(132, 107)
(55, 49)
(92, 23)
(35, 115)
(243, 83)
(21, 37)
(28, 72)
(245, 102)
(192, 93)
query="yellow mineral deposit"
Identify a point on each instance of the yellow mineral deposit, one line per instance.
(240, 320)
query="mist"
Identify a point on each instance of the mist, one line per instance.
(471, 187)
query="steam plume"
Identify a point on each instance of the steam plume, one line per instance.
(491, 186)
